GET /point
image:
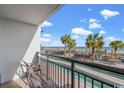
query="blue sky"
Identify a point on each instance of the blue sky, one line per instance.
(82, 20)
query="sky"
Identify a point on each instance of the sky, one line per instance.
(81, 20)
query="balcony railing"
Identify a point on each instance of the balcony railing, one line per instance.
(66, 73)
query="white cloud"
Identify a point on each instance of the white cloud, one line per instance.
(108, 13)
(80, 31)
(46, 24)
(111, 38)
(93, 20)
(89, 9)
(102, 32)
(46, 35)
(75, 36)
(50, 42)
(56, 43)
(45, 40)
(123, 29)
(94, 25)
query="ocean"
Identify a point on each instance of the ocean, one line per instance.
(120, 50)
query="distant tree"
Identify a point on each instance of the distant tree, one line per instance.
(115, 45)
(68, 42)
(71, 45)
(65, 40)
(94, 42)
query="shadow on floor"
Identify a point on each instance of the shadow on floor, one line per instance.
(10, 84)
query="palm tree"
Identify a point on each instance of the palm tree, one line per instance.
(65, 40)
(115, 45)
(71, 45)
(94, 42)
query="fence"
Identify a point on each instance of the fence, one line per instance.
(64, 72)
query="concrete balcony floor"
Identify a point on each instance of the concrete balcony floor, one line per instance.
(35, 81)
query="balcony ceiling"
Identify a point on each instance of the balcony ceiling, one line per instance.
(32, 14)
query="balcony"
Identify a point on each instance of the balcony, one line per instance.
(69, 73)
(53, 71)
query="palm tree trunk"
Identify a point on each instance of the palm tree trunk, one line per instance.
(115, 51)
(93, 50)
(69, 51)
(64, 49)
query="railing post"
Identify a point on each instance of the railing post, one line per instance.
(72, 75)
(47, 67)
(92, 83)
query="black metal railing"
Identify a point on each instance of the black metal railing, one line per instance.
(61, 72)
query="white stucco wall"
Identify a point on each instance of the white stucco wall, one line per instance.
(33, 47)
(18, 41)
